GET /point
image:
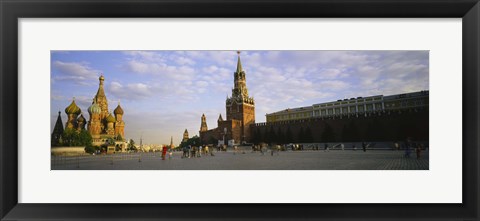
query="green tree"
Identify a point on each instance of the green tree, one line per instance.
(72, 137)
(131, 145)
(84, 138)
(194, 141)
(119, 137)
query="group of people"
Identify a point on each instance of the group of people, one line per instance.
(195, 151)
(411, 146)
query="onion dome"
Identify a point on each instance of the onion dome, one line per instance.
(94, 108)
(101, 78)
(81, 118)
(118, 110)
(73, 108)
(110, 118)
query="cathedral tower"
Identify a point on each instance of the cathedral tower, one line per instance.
(203, 125)
(119, 124)
(185, 136)
(110, 127)
(240, 106)
(57, 131)
(72, 112)
(81, 123)
(94, 124)
(101, 99)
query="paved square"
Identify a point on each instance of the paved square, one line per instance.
(247, 160)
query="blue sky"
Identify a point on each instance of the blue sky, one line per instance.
(164, 92)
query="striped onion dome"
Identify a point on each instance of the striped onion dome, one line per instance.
(73, 108)
(94, 108)
(110, 118)
(118, 110)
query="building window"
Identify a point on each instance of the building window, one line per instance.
(369, 107)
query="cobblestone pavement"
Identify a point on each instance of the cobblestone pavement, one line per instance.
(246, 160)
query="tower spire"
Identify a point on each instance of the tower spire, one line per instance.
(239, 63)
(203, 125)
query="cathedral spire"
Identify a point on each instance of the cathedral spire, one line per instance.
(58, 125)
(101, 99)
(203, 125)
(57, 131)
(239, 63)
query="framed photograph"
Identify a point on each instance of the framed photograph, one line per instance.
(318, 110)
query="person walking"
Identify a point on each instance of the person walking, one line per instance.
(396, 146)
(364, 147)
(408, 145)
(164, 152)
(184, 150)
(342, 146)
(418, 151)
(194, 151)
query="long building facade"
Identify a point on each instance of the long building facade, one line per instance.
(353, 106)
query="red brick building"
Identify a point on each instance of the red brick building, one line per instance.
(240, 109)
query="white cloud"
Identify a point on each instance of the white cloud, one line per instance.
(131, 91)
(77, 72)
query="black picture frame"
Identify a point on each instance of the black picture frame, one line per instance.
(11, 11)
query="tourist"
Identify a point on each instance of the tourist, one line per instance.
(189, 150)
(396, 146)
(342, 146)
(211, 152)
(408, 144)
(206, 150)
(325, 147)
(194, 151)
(364, 147)
(170, 153)
(184, 154)
(164, 152)
(418, 150)
(199, 154)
